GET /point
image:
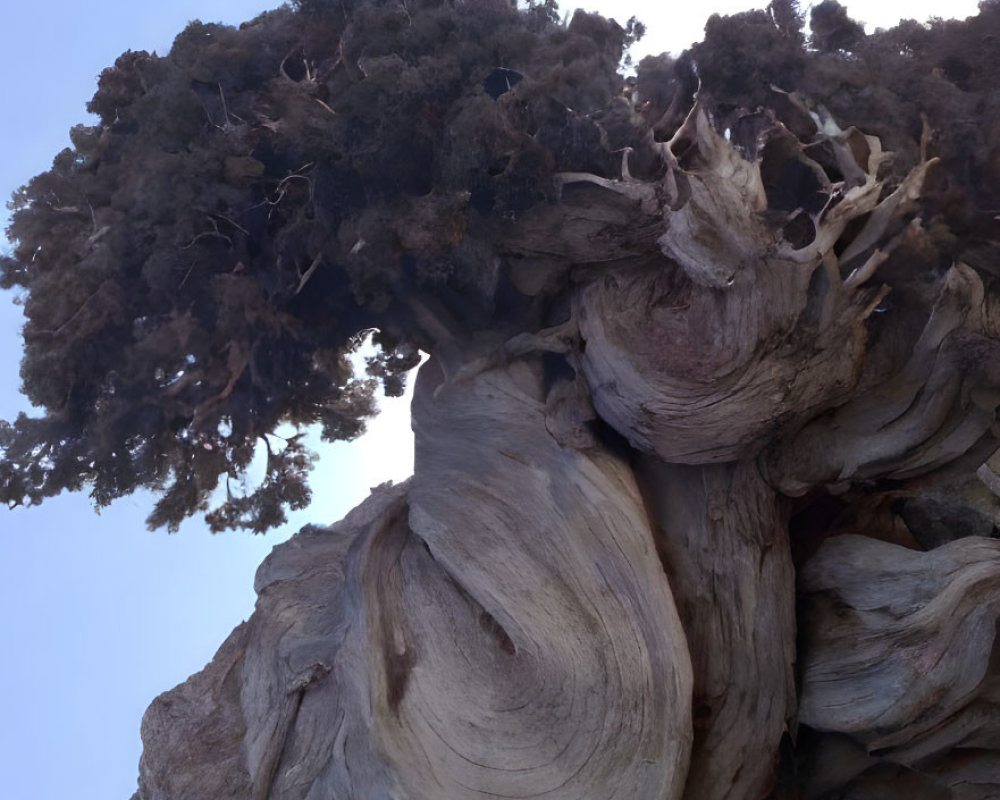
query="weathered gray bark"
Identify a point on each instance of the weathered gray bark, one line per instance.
(723, 538)
(706, 361)
(929, 413)
(898, 641)
(500, 626)
(900, 655)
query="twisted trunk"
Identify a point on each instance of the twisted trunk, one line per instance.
(587, 590)
(499, 625)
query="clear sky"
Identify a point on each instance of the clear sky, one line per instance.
(97, 614)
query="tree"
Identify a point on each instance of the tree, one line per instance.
(202, 261)
(705, 486)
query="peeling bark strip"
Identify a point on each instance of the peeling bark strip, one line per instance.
(497, 627)
(723, 540)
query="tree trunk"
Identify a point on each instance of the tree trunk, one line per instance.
(723, 538)
(499, 626)
(587, 590)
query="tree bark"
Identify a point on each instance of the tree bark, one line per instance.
(499, 626)
(723, 537)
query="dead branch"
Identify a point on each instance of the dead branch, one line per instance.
(309, 273)
(214, 233)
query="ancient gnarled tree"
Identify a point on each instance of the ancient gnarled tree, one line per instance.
(705, 487)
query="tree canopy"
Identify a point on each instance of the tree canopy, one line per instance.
(201, 263)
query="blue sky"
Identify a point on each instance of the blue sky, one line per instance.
(97, 614)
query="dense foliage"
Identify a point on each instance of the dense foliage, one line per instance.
(200, 264)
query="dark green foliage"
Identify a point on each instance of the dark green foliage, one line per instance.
(832, 29)
(787, 17)
(743, 55)
(201, 263)
(926, 90)
(199, 266)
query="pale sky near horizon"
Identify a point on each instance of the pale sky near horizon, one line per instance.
(97, 614)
